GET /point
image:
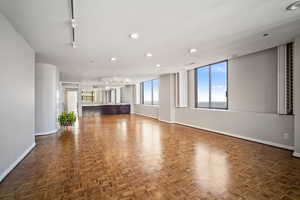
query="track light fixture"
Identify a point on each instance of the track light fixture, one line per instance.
(73, 24)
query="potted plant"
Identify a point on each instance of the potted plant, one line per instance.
(66, 119)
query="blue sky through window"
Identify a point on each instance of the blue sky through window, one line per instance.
(203, 86)
(147, 92)
(216, 82)
(151, 92)
(155, 91)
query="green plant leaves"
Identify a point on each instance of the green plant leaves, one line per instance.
(67, 119)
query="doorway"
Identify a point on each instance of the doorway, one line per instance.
(71, 101)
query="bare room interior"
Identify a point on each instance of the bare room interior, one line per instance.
(148, 100)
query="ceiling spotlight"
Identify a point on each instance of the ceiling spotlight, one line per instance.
(157, 65)
(148, 55)
(113, 59)
(134, 36)
(73, 23)
(193, 50)
(74, 44)
(294, 6)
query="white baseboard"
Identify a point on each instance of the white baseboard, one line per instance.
(241, 137)
(283, 146)
(47, 133)
(296, 154)
(170, 122)
(16, 162)
(146, 115)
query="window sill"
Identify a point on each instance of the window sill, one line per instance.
(212, 109)
(238, 111)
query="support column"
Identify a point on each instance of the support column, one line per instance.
(167, 98)
(297, 96)
(46, 102)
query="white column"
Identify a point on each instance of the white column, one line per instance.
(46, 103)
(167, 98)
(297, 96)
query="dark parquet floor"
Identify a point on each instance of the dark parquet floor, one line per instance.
(133, 157)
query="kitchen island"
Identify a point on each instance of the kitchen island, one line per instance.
(106, 108)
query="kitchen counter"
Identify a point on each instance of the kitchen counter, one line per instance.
(106, 108)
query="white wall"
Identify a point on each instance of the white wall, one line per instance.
(252, 82)
(167, 98)
(17, 97)
(266, 127)
(191, 89)
(128, 96)
(147, 110)
(297, 96)
(46, 104)
(118, 95)
(252, 103)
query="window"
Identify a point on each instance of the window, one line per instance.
(155, 92)
(211, 86)
(150, 92)
(147, 86)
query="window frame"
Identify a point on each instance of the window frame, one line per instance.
(196, 86)
(142, 92)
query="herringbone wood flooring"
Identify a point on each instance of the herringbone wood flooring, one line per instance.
(134, 157)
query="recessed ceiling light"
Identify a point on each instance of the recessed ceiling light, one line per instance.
(193, 50)
(148, 55)
(157, 65)
(113, 59)
(134, 36)
(294, 6)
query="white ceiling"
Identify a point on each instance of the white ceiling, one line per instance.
(167, 28)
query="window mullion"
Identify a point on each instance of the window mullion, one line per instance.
(151, 92)
(142, 93)
(209, 104)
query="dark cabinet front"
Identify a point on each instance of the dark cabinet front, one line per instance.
(108, 109)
